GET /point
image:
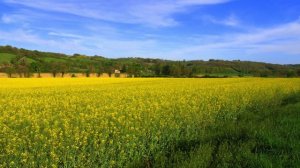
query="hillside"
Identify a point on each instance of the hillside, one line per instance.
(18, 60)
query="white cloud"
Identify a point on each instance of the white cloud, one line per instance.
(283, 39)
(30, 38)
(14, 18)
(67, 35)
(6, 19)
(151, 13)
(201, 2)
(231, 20)
(285, 32)
(73, 43)
(113, 40)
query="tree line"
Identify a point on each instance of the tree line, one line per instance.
(26, 62)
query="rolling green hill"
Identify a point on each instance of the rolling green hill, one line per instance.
(143, 67)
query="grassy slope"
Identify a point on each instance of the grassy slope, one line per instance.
(4, 57)
(50, 59)
(255, 139)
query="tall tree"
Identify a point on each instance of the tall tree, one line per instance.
(63, 68)
(166, 70)
(36, 67)
(100, 70)
(54, 68)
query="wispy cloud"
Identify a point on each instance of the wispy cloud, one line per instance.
(67, 35)
(29, 38)
(201, 2)
(73, 43)
(151, 13)
(12, 18)
(231, 20)
(280, 40)
(6, 19)
(97, 27)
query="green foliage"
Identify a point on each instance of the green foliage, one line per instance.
(146, 67)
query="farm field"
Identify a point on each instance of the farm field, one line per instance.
(149, 122)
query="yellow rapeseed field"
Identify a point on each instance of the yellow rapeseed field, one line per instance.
(101, 122)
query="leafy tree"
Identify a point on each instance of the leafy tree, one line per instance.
(298, 71)
(134, 70)
(21, 66)
(157, 69)
(100, 70)
(54, 69)
(36, 67)
(166, 70)
(63, 68)
(291, 73)
(175, 70)
(109, 70)
(124, 68)
(10, 70)
(90, 69)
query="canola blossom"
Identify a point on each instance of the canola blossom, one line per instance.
(103, 122)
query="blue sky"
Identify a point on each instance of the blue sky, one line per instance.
(256, 30)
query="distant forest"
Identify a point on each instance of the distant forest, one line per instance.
(26, 62)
